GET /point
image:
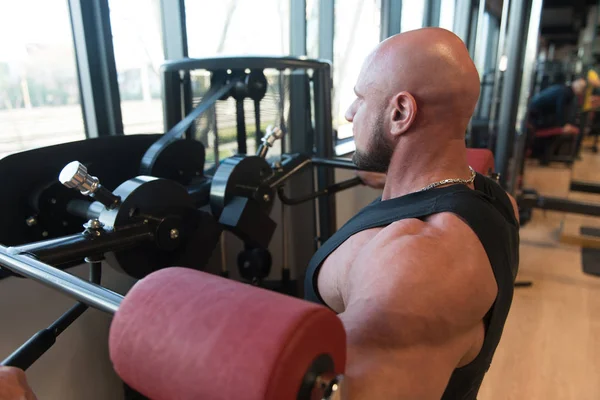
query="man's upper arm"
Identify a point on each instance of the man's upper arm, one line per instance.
(412, 315)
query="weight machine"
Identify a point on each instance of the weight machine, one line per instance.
(174, 195)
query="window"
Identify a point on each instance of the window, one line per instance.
(233, 27)
(357, 29)
(447, 14)
(137, 42)
(413, 12)
(39, 91)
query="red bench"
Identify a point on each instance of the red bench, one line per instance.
(481, 160)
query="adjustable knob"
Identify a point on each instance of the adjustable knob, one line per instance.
(75, 176)
(272, 135)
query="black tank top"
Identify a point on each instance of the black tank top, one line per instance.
(489, 213)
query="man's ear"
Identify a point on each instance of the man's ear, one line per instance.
(404, 112)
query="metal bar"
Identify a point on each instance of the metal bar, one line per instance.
(174, 30)
(337, 187)
(391, 18)
(324, 145)
(240, 117)
(559, 204)
(96, 67)
(173, 107)
(257, 132)
(529, 62)
(30, 351)
(511, 85)
(426, 13)
(431, 16)
(282, 124)
(85, 209)
(478, 54)
(77, 247)
(334, 162)
(251, 62)
(91, 294)
(586, 187)
(497, 72)
(298, 228)
(42, 341)
(480, 40)
(298, 27)
(213, 95)
(175, 47)
(295, 166)
(462, 19)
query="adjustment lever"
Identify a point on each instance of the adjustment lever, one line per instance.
(43, 340)
(272, 135)
(75, 176)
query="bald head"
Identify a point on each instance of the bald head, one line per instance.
(414, 82)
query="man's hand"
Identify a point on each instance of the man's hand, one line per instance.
(13, 385)
(376, 180)
(568, 128)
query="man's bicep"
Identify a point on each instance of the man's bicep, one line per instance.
(413, 314)
(380, 367)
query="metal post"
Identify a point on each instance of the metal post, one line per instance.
(93, 295)
(324, 145)
(477, 51)
(510, 88)
(175, 46)
(462, 19)
(497, 73)
(480, 40)
(92, 37)
(326, 26)
(431, 15)
(297, 27)
(174, 31)
(391, 17)
(529, 61)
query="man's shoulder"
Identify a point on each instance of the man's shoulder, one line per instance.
(437, 268)
(441, 242)
(441, 229)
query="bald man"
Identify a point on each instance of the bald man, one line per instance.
(423, 277)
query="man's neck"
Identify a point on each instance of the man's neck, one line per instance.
(414, 166)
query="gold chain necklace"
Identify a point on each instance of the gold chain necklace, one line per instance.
(454, 180)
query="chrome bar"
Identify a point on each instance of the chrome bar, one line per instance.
(93, 295)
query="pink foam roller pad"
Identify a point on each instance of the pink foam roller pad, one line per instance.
(185, 334)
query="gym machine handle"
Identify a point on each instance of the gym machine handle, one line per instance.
(43, 340)
(31, 350)
(294, 163)
(94, 241)
(337, 187)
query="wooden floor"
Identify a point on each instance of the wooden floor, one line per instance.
(551, 343)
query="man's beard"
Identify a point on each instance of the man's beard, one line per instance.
(379, 152)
